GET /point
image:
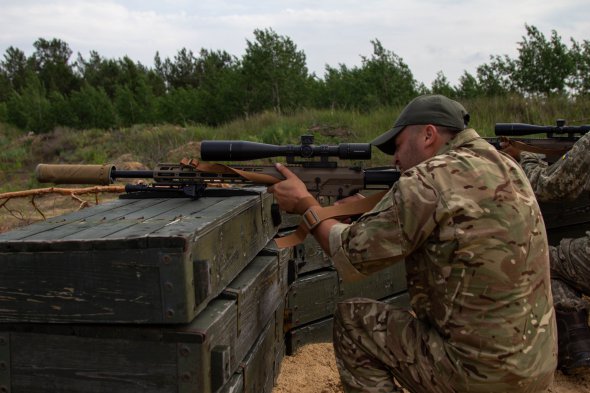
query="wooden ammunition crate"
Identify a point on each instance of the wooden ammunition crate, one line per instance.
(314, 296)
(131, 260)
(235, 344)
(322, 331)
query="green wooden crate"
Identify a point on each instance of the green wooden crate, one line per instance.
(313, 297)
(202, 356)
(259, 291)
(131, 261)
(63, 358)
(321, 331)
(258, 367)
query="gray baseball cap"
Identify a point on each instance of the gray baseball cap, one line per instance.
(426, 109)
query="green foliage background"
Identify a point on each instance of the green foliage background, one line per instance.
(49, 89)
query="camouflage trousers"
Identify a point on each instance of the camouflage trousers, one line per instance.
(380, 348)
(375, 343)
(570, 273)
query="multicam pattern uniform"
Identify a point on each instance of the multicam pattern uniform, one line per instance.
(566, 179)
(468, 225)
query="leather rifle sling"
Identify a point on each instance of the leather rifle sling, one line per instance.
(316, 214)
(311, 218)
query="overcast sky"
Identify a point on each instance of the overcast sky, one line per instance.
(452, 36)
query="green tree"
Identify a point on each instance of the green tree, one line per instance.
(347, 88)
(30, 109)
(387, 76)
(181, 106)
(543, 66)
(220, 86)
(182, 72)
(51, 60)
(274, 71)
(383, 79)
(60, 110)
(93, 108)
(14, 68)
(441, 85)
(579, 81)
(468, 86)
(495, 78)
(100, 72)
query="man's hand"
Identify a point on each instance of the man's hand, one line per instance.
(291, 193)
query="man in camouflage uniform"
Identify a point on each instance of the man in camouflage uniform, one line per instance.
(465, 220)
(566, 179)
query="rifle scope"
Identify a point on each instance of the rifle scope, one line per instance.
(520, 129)
(245, 151)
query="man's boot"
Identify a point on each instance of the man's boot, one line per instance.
(573, 341)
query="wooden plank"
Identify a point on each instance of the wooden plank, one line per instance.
(313, 297)
(259, 290)
(130, 286)
(314, 257)
(220, 253)
(58, 221)
(120, 359)
(235, 384)
(279, 345)
(258, 366)
(162, 213)
(5, 362)
(126, 214)
(322, 331)
(188, 216)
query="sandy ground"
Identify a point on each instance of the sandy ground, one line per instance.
(313, 370)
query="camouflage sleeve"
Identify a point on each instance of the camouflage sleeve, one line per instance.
(398, 224)
(564, 179)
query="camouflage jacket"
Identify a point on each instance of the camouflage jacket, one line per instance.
(567, 178)
(470, 230)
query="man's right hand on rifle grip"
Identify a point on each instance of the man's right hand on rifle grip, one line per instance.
(291, 194)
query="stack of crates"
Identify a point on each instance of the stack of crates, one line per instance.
(165, 295)
(145, 295)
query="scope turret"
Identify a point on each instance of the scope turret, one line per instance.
(245, 151)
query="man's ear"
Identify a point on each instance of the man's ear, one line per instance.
(431, 135)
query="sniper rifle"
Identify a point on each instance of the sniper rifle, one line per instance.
(192, 178)
(559, 138)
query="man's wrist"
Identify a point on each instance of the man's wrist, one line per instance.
(310, 217)
(304, 204)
